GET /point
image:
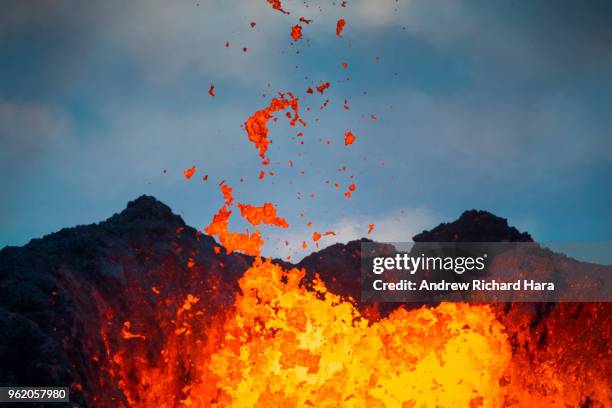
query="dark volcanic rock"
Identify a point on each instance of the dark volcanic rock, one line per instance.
(56, 291)
(474, 226)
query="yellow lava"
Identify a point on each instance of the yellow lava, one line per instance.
(286, 346)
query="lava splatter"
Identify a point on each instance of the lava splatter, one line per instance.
(349, 138)
(257, 125)
(188, 173)
(340, 27)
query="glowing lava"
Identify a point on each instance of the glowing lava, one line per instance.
(277, 5)
(296, 32)
(248, 243)
(257, 125)
(265, 214)
(188, 173)
(340, 27)
(287, 346)
(349, 138)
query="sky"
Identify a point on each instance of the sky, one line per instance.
(493, 105)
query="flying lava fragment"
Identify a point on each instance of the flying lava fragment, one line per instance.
(321, 88)
(257, 125)
(188, 173)
(296, 32)
(349, 138)
(340, 27)
(211, 90)
(370, 228)
(265, 214)
(277, 5)
(247, 243)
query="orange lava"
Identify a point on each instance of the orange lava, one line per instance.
(265, 214)
(296, 32)
(340, 27)
(316, 236)
(248, 243)
(257, 125)
(321, 88)
(227, 192)
(188, 173)
(349, 138)
(284, 345)
(277, 5)
(370, 228)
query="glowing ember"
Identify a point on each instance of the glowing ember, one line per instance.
(370, 228)
(296, 32)
(340, 27)
(349, 138)
(188, 173)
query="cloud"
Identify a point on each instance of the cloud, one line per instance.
(27, 129)
(537, 39)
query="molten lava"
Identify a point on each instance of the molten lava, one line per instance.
(265, 214)
(277, 5)
(188, 173)
(340, 27)
(248, 243)
(349, 138)
(283, 344)
(296, 32)
(257, 125)
(287, 346)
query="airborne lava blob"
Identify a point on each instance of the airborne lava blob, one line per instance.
(257, 125)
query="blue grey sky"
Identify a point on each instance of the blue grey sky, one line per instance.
(495, 105)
